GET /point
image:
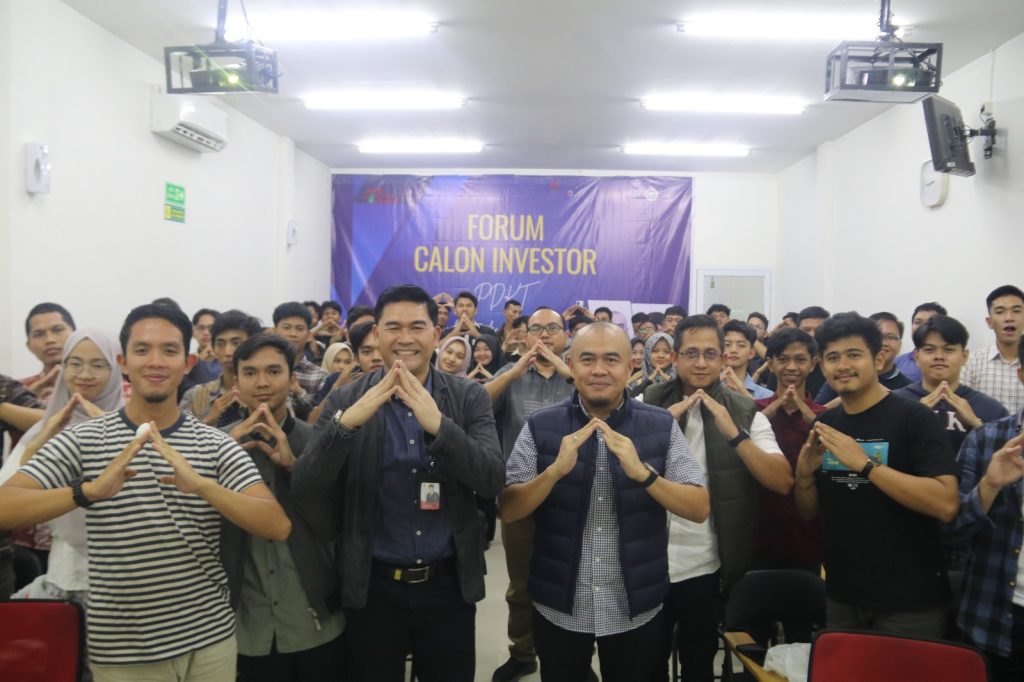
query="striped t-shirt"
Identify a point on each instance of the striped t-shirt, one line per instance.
(157, 589)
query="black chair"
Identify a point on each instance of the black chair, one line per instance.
(760, 600)
(27, 567)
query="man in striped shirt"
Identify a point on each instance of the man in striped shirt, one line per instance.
(993, 370)
(155, 482)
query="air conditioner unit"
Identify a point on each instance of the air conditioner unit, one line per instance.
(190, 121)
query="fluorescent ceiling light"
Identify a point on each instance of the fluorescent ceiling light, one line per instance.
(419, 146)
(685, 149)
(329, 27)
(380, 100)
(725, 103)
(774, 26)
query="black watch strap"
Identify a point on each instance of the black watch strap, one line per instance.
(739, 438)
(866, 471)
(649, 481)
(76, 492)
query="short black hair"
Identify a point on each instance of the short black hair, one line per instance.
(357, 335)
(697, 322)
(466, 294)
(254, 343)
(511, 302)
(43, 308)
(950, 329)
(999, 292)
(790, 316)
(842, 325)
(888, 317)
(640, 318)
(547, 307)
(740, 328)
(292, 309)
(604, 309)
(235, 319)
(204, 311)
(168, 301)
(520, 321)
(719, 308)
(160, 311)
(930, 306)
(333, 305)
(760, 316)
(407, 293)
(657, 318)
(357, 311)
(314, 305)
(577, 320)
(635, 340)
(778, 342)
(813, 312)
(675, 310)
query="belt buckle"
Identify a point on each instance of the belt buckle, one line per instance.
(425, 571)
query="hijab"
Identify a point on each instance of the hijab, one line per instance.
(497, 358)
(652, 341)
(333, 351)
(444, 346)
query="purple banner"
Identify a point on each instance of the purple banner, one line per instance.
(539, 239)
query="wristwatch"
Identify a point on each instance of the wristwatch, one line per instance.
(866, 471)
(76, 493)
(739, 438)
(649, 481)
(342, 429)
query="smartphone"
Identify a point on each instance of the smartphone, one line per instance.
(580, 304)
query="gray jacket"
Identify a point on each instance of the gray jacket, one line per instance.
(314, 558)
(335, 482)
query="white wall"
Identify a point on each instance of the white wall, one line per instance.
(98, 243)
(735, 215)
(869, 244)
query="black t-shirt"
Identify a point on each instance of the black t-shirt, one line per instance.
(878, 553)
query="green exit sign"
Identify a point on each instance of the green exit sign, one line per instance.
(174, 194)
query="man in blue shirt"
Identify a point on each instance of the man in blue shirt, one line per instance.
(411, 569)
(990, 524)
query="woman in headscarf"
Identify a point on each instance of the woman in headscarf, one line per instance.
(88, 385)
(487, 358)
(657, 363)
(454, 355)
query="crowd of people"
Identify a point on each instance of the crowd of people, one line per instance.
(313, 500)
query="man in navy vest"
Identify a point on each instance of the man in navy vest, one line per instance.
(598, 471)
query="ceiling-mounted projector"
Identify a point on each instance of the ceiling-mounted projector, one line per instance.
(221, 67)
(887, 70)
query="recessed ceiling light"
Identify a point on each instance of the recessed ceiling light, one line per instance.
(334, 27)
(774, 26)
(419, 146)
(382, 99)
(724, 103)
(685, 149)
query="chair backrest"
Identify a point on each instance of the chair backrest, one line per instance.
(854, 656)
(762, 598)
(41, 640)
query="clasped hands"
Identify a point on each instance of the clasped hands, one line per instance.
(621, 446)
(398, 381)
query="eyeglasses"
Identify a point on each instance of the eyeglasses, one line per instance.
(202, 327)
(646, 330)
(692, 355)
(552, 328)
(894, 338)
(76, 367)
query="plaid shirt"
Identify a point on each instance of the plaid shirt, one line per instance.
(988, 372)
(14, 392)
(994, 540)
(600, 606)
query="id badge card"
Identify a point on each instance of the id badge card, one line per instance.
(430, 492)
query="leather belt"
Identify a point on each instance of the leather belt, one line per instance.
(415, 575)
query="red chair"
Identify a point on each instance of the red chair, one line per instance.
(41, 640)
(856, 656)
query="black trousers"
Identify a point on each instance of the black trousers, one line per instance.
(565, 655)
(429, 620)
(325, 663)
(695, 605)
(1010, 668)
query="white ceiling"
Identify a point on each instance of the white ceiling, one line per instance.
(556, 83)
